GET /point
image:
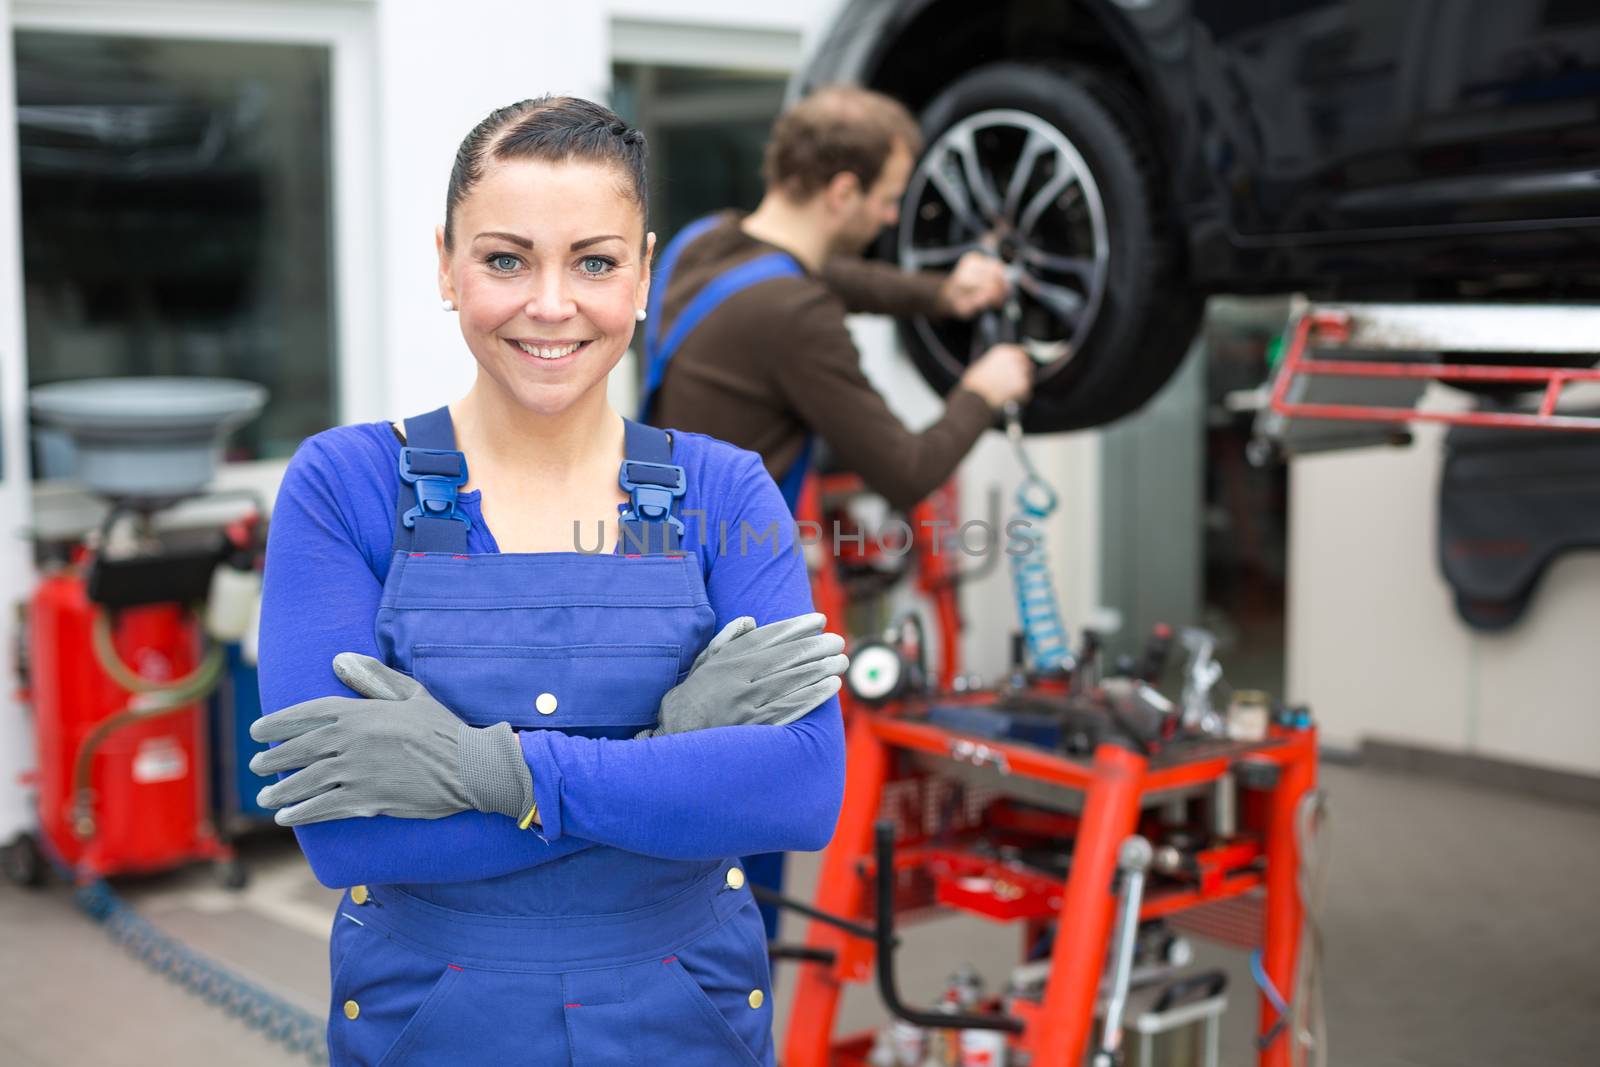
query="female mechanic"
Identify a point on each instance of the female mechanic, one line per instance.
(561, 735)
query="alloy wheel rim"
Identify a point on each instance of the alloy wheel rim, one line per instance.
(1009, 183)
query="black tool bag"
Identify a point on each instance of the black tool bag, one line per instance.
(1510, 502)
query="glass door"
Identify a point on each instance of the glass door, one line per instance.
(176, 219)
(196, 194)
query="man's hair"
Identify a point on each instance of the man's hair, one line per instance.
(839, 129)
(553, 129)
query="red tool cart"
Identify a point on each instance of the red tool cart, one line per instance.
(960, 806)
(945, 802)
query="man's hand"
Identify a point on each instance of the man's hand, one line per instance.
(977, 284)
(1000, 375)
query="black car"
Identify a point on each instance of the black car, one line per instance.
(1130, 156)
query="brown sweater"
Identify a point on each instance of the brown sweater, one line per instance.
(775, 362)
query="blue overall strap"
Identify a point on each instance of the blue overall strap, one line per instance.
(655, 485)
(432, 472)
(735, 279)
(795, 478)
(663, 272)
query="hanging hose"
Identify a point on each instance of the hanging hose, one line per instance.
(152, 699)
(296, 1029)
(1032, 579)
(201, 679)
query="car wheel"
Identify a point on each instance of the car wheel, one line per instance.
(1052, 171)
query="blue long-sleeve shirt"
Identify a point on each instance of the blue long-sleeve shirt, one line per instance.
(704, 795)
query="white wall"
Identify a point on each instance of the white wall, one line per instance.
(439, 71)
(1377, 650)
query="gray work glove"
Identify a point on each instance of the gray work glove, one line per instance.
(399, 752)
(769, 676)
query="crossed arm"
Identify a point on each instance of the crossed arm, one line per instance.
(653, 796)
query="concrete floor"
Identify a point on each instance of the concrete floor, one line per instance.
(1461, 930)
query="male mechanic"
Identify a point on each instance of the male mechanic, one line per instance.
(746, 338)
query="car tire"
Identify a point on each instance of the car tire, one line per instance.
(1068, 190)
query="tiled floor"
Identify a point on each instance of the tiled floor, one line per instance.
(1462, 926)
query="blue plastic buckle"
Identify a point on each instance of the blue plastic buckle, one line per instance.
(653, 487)
(436, 493)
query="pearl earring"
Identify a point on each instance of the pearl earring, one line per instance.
(447, 305)
(640, 314)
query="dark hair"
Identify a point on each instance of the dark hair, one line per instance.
(553, 129)
(839, 129)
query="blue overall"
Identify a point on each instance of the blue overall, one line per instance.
(767, 869)
(658, 352)
(604, 957)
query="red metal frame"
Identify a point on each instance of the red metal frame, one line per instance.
(1332, 327)
(933, 565)
(1115, 785)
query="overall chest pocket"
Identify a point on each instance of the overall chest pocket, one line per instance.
(598, 690)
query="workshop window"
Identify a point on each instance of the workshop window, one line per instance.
(176, 219)
(707, 129)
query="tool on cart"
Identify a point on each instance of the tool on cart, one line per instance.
(886, 668)
(1200, 677)
(1088, 674)
(1157, 650)
(1133, 860)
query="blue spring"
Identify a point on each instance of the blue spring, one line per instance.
(1034, 585)
(286, 1024)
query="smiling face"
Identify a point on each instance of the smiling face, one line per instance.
(547, 272)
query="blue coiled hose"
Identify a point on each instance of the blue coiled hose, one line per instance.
(286, 1024)
(1031, 577)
